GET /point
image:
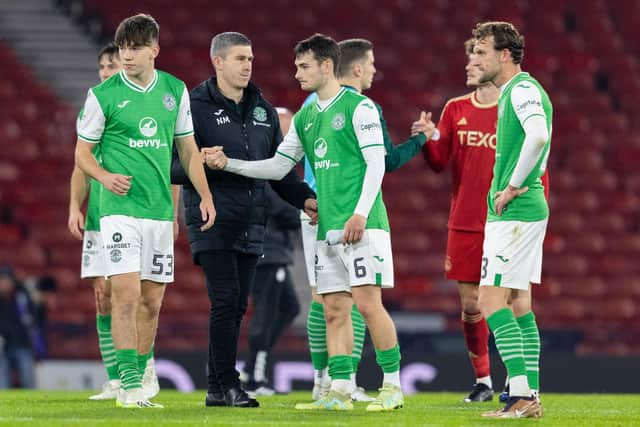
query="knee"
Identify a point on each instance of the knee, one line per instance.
(335, 314)
(470, 305)
(368, 307)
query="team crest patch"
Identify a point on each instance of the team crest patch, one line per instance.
(260, 114)
(116, 255)
(338, 121)
(169, 102)
(320, 148)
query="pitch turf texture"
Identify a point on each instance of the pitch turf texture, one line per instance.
(56, 408)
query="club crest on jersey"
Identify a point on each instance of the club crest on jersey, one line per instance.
(338, 121)
(320, 148)
(148, 126)
(260, 114)
(169, 102)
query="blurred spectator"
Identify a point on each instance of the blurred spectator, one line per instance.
(17, 330)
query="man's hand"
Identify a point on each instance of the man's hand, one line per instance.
(116, 183)
(76, 223)
(354, 229)
(208, 212)
(502, 198)
(311, 209)
(214, 157)
(423, 125)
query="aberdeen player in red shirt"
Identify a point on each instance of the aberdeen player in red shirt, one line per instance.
(467, 140)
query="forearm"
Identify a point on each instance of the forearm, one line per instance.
(175, 196)
(398, 155)
(536, 137)
(78, 188)
(87, 163)
(436, 152)
(192, 163)
(372, 181)
(274, 168)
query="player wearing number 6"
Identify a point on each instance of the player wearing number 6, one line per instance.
(341, 136)
(517, 212)
(135, 117)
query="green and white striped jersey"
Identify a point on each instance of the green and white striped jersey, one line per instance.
(520, 99)
(135, 127)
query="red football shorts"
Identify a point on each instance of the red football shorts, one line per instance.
(464, 255)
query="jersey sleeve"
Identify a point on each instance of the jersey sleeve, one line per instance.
(184, 123)
(291, 147)
(366, 125)
(90, 123)
(527, 101)
(437, 150)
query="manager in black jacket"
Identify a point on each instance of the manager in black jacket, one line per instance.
(229, 111)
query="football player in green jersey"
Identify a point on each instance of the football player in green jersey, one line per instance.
(341, 136)
(135, 117)
(517, 212)
(88, 231)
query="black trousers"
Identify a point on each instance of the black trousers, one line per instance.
(276, 305)
(229, 276)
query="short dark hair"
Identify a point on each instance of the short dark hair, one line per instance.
(322, 47)
(468, 46)
(505, 36)
(137, 30)
(220, 43)
(110, 50)
(351, 50)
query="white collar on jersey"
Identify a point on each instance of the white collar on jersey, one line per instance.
(327, 103)
(137, 87)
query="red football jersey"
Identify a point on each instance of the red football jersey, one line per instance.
(467, 139)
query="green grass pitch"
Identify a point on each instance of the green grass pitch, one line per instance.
(58, 408)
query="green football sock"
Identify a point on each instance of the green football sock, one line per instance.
(128, 367)
(105, 342)
(531, 345)
(508, 339)
(359, 331)
(389, 360)
(317, 335)
(340, 367)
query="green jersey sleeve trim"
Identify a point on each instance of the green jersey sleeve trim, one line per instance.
(533, 115)
(372, 145)
(288, 157)
(87, 139)
(183, 134)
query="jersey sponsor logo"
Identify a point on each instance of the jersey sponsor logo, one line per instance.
(123, 103)
(223, 120)
(148, 126)
(476, 138)
(462, 122)
(260, 114)
(218, 112)
(502, 258)
(320, 148)
(308, 126)
(529, 103)
(169, 102)
(378, 258)
(338, 121)
(370, 126)
(267, 125)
